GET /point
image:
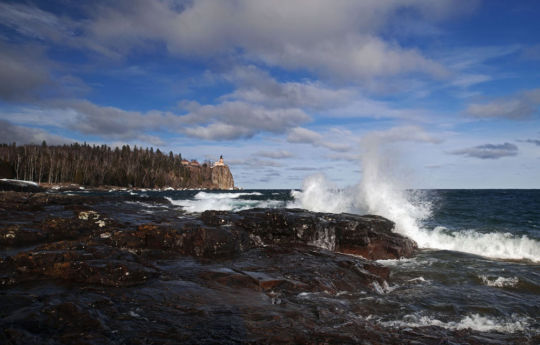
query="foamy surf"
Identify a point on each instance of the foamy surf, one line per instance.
(476, 322)
(204, 201)
(210, 196)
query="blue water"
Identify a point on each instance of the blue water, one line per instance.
(514, 211)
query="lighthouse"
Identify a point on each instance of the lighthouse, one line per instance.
(219, 163)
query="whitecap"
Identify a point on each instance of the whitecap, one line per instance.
(515, 323)
(499, 281)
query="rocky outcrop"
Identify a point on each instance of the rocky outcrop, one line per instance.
(98, 270)
(368, 236)
(222, 177)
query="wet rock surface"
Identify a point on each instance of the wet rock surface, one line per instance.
(99, 270)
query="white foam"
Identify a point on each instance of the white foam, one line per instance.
(475, 322)
(221, 203)
(499, 281)
(206, 196)
(379, 193)
(493, 244)
(384, 288)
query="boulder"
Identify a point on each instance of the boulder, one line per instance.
(368, 236)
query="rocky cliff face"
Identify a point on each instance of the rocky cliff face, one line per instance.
(222, 177)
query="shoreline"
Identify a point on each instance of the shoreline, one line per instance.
(236, 277)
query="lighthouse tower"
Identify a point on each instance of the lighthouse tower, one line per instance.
(220, 163)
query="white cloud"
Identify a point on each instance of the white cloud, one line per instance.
(219, 131)
(246, 115)
(224, 121)
(258, 87)
(339, 39)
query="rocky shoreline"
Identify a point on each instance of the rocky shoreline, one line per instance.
(78, 269)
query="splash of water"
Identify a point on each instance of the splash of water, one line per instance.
(380, 192)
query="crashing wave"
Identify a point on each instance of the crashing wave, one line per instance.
(475, 322)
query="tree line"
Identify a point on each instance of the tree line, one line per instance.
(96, 165)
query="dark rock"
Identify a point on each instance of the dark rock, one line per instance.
(19, 186)
(367, 236)
(192, 239)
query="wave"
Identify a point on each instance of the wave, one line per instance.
(407, 209)
(476, 322)
(493, 244)
(223, 202)
(379, 192)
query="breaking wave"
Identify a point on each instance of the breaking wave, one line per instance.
(476, 322)
(379, 192)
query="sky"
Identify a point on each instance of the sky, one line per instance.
(446, 91)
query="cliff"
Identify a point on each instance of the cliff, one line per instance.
(222, 177)
(102, 166)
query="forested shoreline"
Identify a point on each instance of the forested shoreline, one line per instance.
(101, 165)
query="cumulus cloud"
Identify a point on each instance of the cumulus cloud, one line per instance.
(111, 122)
(520, 106)
(303, 136)
(339, 39)
(224, 121)
(258, 87)
(238, 117)
(489, 151)
(10, 133)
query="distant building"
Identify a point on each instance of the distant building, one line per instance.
(219, 163)
(194, 163)
(185, 162)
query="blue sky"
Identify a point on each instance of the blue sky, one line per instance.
(447, 91)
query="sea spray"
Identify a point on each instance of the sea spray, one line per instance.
(380, 192)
